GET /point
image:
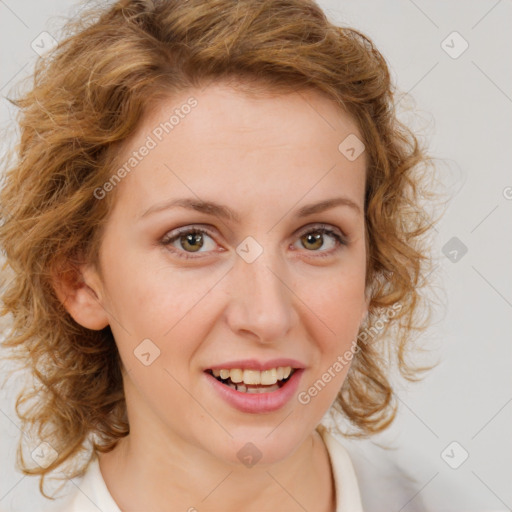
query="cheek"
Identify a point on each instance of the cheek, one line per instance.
(171, 309)
(339, 303)
(339, 307)
(150, 299)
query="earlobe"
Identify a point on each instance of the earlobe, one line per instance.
(78, 289)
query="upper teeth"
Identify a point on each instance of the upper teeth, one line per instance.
(266, 377)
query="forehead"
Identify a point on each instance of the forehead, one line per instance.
(221, 140)
(242, 111)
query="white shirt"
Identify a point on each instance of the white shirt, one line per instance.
(92, 494)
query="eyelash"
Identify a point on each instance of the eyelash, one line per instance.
(168, 240)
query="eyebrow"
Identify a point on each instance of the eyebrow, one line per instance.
(224, 212)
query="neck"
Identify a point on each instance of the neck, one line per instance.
(142, 474)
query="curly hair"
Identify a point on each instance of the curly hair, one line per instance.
(88, 95)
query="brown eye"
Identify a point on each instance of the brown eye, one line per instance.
(317, 241)
(192, 241)
(188, 241)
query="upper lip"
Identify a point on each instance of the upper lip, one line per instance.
(254, 364)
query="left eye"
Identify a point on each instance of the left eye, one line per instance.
(191, 240)
(315, 237)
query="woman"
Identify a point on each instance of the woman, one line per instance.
(212, 210)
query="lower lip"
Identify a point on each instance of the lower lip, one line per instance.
(258, 402)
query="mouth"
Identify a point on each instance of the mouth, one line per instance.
(253, 381)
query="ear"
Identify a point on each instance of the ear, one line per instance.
(79, 290)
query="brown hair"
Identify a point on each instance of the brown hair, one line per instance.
(87, 97)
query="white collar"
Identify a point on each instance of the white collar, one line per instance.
(348, 498)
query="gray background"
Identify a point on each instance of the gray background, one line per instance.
(465, 105)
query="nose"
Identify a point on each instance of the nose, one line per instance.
(261, 303)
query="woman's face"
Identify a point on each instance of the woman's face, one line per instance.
(238, 274)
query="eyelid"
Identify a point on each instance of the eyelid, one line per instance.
(322, 226)
(199, 228)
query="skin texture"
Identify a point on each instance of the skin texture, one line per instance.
(264, 158)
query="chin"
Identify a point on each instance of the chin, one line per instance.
(258, 446)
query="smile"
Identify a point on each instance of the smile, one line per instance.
(254, 391)
(254, 381)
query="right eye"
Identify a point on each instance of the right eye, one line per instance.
(189, 240)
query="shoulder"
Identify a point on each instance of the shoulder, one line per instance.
(383, 480)
(88, 494)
